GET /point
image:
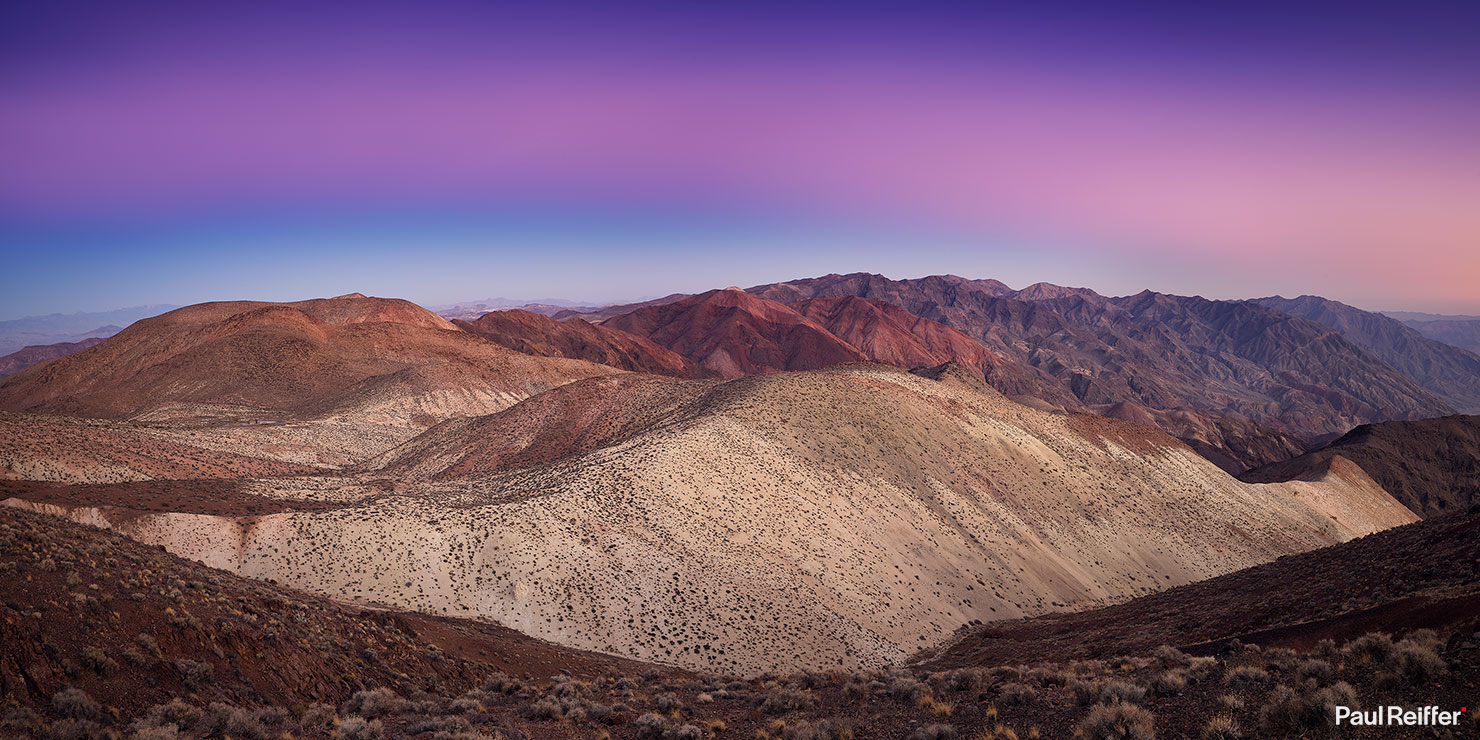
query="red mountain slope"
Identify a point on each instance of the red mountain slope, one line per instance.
(39, 353)
(734, 334)
(534, 334)
(385, 360)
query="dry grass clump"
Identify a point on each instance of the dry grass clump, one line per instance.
(1171, 657)
(1291, 712)
(1221, 727)
(1169, 683)
(934, 732)
(784, 699)
(74, 703)
(1121, 692)
(1013, 694)
(1116, 722)
(1246, 675)
(359, 728)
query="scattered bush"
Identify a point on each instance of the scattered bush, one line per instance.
(1247, 675)
(359, 728)
(1171, 657)
(1373, 647)
(1231, 703)
(1170, 683)
(1016, 693)
(375, 703)
(1289, 712)
(934, 732)
(1117, 722)
(781, 700)
(1221, 727)
(1314, 669)
(74, 703)
(1417, 663)
(79, 729)
(195, 674)
(1121, 692)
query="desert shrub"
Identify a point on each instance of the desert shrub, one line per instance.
(1417, 663)
(174, 713)
(1117, 722)
(667, 703)
(1201, 669)
(317, 718)
(1171, 657)
(359, 728)
(79, 729)
(225, 720)
(148, 644)
(166, 732)
(1121, 692)
(934, 732)
(826, 729)
(962, 679)
(782, 699)
(1016, 693)
(375, 703)
(1314, 669)
(547, 708)
(650, 727)
(1169, 683)
(195, 674)
(1289, 712)
(502, 683)
(98, 662)
(1231, 703)
(906, 688)
(1085, 692)
(1326, 650)
(74, 703)
(1247, 675)
(934, 706)
(1049, 677)
(1221, 727)
(1425, 637)
(1373, 647)
(19, 718)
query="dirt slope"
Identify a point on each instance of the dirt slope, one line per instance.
(1432, 466)
(1423, 575)
(825, 519)
(534, 334)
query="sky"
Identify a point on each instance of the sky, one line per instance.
(175, 152)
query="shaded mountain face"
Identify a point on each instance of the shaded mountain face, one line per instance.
(1449, 372)
(1432, 466)
(1183, 359)
(1427, 571)
(535, 334)
(375, 360)
(36, 354)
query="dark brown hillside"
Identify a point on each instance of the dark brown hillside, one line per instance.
(1432, 466)
(1423, 575)
(133, 626)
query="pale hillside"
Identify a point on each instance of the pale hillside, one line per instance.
(833, 518)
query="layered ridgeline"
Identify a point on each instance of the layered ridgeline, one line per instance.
(351, 358)
(819, 519)
(537, 334)
(1245, 383)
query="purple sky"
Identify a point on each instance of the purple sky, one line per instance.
(175, 152)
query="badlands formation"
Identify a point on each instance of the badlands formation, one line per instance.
(835, 518)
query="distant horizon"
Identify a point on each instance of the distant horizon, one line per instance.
(434, 304)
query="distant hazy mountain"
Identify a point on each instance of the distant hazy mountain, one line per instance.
(1450, 372)
(1456, 330)
(71, 327)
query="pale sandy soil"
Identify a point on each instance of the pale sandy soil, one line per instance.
(838, 518)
